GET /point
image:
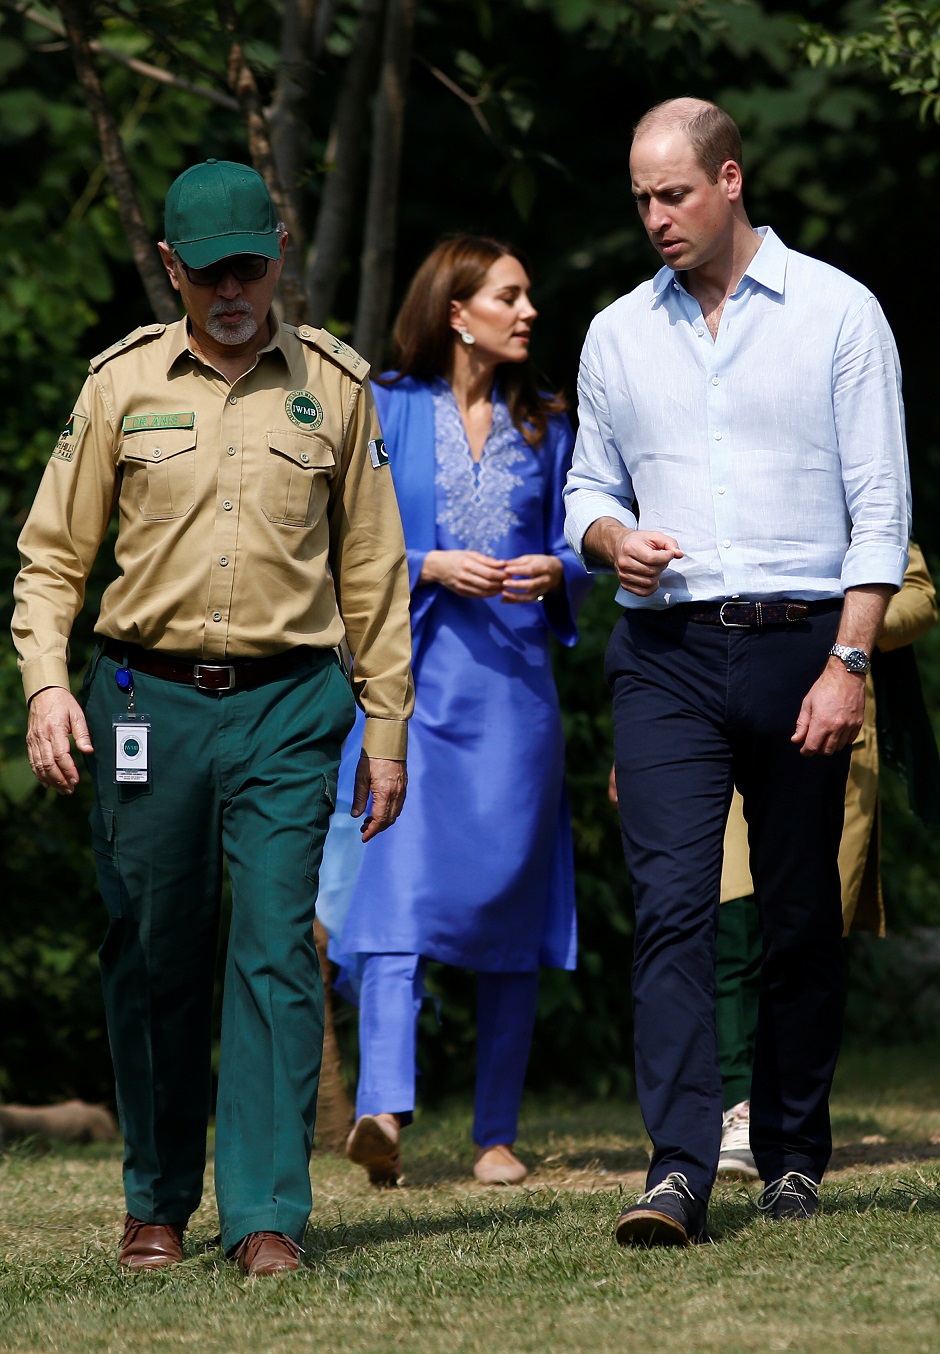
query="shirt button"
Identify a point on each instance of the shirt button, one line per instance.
(231, 399)
(223, 559)
(700, 332)
(304, 457)
(227, 505)
(230, 451)
(726, 543)
(216, 615)
(157, 451)
(717, 437)
(721, 490)
(714, 380)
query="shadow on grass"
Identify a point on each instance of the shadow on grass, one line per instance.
(434, 1169)
(882, 1153)
(322, 1242)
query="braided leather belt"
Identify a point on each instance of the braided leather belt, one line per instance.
(239, 674)
(754, 615)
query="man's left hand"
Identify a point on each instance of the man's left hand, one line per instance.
(832, 711)
(386, 781)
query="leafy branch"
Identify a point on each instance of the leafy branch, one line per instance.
(904, 47)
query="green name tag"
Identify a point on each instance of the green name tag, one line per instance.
(137, 423)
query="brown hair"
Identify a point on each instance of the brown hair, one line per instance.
(712, 132)
(422, 337)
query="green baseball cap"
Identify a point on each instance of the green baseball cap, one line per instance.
(217, 209)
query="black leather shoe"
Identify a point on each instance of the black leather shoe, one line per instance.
(791, 1198)
(667, 1215)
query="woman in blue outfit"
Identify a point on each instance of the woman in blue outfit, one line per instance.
(478, 872)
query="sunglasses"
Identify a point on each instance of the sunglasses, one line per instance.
(243, 267)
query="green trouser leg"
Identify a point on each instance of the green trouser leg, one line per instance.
(738, 954)
(253, 772)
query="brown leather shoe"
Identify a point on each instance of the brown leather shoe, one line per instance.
(151, 1245)
(266, 1253)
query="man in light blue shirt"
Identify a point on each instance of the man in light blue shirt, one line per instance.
(741, 467)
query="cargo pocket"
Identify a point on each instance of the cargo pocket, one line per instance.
(161, 466)
(323, 796)
(104, 845)
(296, 478)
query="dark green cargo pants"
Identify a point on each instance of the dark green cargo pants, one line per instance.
(251, 775)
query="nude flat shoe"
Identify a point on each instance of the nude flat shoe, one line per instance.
(374, 1145)
(499, 1165)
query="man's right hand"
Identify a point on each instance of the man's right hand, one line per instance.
(637, 557)
(54, 714)
(386, 780)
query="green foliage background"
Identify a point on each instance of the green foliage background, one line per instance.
(836, 161)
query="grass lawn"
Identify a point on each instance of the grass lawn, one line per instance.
(444, 1266)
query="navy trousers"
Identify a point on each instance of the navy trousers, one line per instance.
(698, 708)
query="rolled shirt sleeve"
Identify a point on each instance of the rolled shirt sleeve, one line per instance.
(598, 483)
(869, 411)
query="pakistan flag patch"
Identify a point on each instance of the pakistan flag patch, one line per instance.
(377, 453)
(304, 409)
(70, 438)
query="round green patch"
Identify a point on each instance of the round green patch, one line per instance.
(304, 409)
(131, 747)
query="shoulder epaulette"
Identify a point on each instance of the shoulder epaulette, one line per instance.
(335, 349)
(136, 336)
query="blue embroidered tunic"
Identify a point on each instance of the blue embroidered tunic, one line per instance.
(478, 870)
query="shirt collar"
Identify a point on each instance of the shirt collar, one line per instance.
(768, 267)
(179, 343)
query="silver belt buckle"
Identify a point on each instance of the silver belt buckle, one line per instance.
(736, 625)
(200, 668)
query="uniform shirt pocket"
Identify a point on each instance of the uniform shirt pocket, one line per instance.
(161, 468)
(296, 477)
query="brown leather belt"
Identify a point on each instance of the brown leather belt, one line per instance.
(754, 615)
(239, 674)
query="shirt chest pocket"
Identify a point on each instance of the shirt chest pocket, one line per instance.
(296, 478)
(161, 469)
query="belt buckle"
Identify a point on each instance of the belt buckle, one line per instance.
(735, 625)
(200, 668)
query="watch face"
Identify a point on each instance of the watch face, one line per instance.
(856, 661)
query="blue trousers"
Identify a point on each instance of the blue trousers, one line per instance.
(389, 1005)
(696, 709)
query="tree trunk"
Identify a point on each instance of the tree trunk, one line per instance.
(344, 155)
(334, 1111)
(160, 294)
(388, 117)
(290, 129)
(245, 88)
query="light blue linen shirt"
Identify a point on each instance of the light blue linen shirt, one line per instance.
(775, 454)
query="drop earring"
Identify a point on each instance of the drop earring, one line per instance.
(466, 337)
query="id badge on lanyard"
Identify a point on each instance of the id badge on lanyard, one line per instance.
(131, 737)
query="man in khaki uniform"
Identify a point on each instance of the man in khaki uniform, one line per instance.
(257, 527)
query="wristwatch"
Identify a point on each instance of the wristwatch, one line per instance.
(855, 660)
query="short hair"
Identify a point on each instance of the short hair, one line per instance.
(712, 132)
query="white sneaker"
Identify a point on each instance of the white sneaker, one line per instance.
(735, 1160)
